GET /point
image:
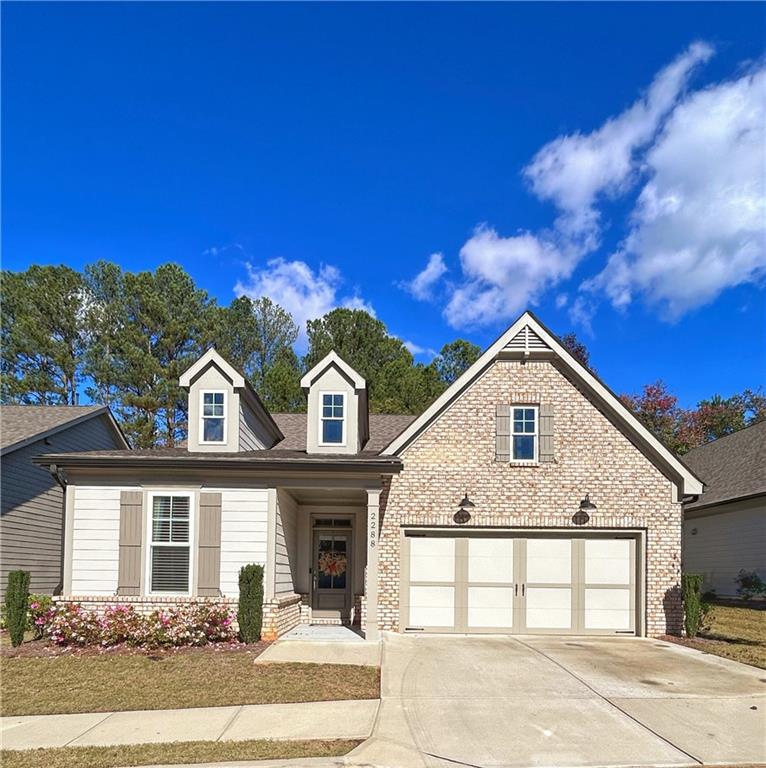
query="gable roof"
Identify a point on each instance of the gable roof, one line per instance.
(529, 338)
(238, 381)
(333, 358)
(21, 425)
(733, 467)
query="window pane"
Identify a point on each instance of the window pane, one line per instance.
(529, 426)
(170, 569)
(518, 414)
(327, 411)
(161, 529)
(518, 426)
(524, 448)
(213, 430)
(332, 431)
(529, 414)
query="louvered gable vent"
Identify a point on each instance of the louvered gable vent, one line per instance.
(526, 340)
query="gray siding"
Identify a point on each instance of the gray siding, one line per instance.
(252, 436)
(728, 538)
(31, 504)
(286, 544)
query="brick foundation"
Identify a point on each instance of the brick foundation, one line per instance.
(142, 604)
(457, 454)
(280, 615)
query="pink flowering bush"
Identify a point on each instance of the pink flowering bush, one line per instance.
(39, 612)
(189, 624)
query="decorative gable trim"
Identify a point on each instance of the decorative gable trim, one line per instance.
(333, 359)
(212, 357)
(687, 482)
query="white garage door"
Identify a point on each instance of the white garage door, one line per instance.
(508, 583)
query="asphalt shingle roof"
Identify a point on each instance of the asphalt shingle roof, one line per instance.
(732, 467)
(21, 423)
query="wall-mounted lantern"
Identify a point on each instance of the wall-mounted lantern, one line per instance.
(463, 514)
(582, 516)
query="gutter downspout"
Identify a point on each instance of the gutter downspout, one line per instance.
(60, 477)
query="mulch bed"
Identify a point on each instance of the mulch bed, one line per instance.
(44, 649)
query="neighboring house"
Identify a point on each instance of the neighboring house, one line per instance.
(31, 498)
(725, 529)
(571, 522)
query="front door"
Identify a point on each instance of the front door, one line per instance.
(331, 576)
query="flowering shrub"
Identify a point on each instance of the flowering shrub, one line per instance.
(189, 624)
(39, 612)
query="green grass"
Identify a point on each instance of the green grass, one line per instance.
(187, 752)
(734, 633)
(108, 683)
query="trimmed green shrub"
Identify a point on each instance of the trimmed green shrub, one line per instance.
(750, 584)
(250, 609)
(16, 603)
(691, 586)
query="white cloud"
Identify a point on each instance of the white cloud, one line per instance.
(699, 225)
(416, 350)
(422, 285)
(561, 300)
(573, 171)
(503, 275)
(304, 293)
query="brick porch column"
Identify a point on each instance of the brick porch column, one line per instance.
(371, 582)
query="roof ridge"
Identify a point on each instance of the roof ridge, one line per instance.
(717, 440)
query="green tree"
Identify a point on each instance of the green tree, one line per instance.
(255, 334)
(42, 335)
(281, 391)
(658, 410)
(105, 317)
(454, 359)
(168, 322)
(395, 384)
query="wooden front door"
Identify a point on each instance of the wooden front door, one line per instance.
(331, 582)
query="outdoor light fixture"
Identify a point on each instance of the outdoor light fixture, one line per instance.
(582, 516)
(462, 515)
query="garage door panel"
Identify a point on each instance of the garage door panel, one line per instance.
(607, 609)
(549, 608)
(432, 606)
(490, 607)
(549, 561)
(607, 561)
(490, 560)
(432, 559)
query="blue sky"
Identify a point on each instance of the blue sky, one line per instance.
(601, 164)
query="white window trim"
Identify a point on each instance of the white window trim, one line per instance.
(150, 541)
(343, 421)
(202, 416)
(535, 434)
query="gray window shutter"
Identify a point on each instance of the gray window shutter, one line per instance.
(209, 564)
(503, 433)
(131, 527)
(546, 432)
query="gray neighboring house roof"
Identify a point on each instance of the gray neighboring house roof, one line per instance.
(732, 467)
(21, 425)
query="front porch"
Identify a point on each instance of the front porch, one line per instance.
(321, 568)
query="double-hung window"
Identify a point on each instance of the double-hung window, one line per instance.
(213, 417)
(170, 544)
(524, 433)
(333, 418)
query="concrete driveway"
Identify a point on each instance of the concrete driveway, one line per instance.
(555, 701)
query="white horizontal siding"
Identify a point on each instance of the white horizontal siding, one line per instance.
(244, 521)
(724, 544)
(95, 540)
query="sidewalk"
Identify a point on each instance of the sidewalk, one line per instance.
(312, 720)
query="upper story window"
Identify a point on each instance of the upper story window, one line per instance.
(524, 433)
(333, 418)
(170, 544)
(213, 417)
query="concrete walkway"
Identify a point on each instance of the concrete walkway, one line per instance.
(313, 720)
(317, 644)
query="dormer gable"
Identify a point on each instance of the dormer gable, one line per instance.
(225, 413)
(337, 418)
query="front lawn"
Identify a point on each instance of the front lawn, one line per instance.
(189, 677)
(733, 632)
(186, 752)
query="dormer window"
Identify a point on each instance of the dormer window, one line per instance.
(213, 416)
(333, 418)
